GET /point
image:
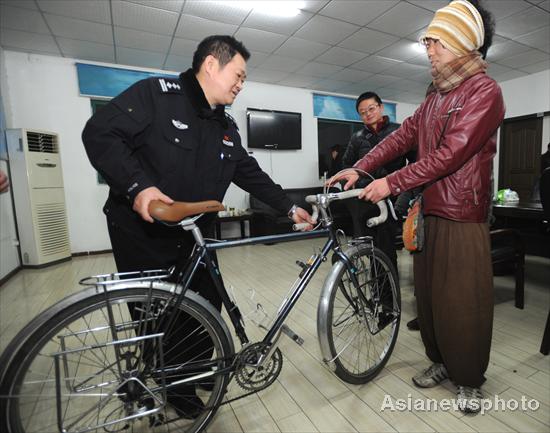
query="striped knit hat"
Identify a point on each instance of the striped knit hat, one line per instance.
(458, 26)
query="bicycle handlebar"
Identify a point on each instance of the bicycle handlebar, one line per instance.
(324, 199)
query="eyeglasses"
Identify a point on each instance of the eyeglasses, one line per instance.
(429, 42)
(369, 110)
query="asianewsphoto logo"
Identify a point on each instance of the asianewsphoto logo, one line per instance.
(444, 405)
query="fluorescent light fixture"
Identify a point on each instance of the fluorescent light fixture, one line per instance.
(417, 47)
(389, 59)
(285, 8)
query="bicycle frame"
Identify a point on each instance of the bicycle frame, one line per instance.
(203, 254)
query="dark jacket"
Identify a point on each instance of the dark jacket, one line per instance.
(545, 161)
(457, 173)
(162, 132)
(362, 142)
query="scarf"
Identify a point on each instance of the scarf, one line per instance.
(379, 125)
(454, 73)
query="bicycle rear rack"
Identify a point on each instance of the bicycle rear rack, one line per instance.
(107, 384)
(126, 277)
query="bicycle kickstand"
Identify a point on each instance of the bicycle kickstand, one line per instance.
(292, 335)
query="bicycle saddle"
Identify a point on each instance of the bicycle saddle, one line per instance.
(179, 210)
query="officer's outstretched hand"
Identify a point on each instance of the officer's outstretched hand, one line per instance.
(144, 197)
(303, 216)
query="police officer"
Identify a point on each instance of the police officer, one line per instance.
(170, 139)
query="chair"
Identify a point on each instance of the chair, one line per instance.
(545, 200)
(508, 254)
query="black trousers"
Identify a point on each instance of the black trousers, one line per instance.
(383, 235)
(158, 247)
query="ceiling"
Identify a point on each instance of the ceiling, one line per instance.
(336, 46)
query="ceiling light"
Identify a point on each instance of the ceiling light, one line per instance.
(418, 48)
(274, 8)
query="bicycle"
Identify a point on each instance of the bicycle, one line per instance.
(88, 364)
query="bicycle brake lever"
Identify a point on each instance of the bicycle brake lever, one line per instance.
(391, 208)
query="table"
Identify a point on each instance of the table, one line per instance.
(228, 219)
(527, 218)
(521, 210)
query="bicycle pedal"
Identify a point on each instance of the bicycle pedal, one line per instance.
(292, 335)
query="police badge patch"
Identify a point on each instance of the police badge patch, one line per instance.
(179, 124)
(227, 141)
(169, 86)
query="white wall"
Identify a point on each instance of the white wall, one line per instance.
(527, 95)
(404, 110)
(43, 93)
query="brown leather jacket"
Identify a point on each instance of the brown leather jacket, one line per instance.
(456, 169)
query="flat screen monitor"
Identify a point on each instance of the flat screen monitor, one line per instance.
(271, 129)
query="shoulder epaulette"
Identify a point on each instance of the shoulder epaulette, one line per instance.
(231, 119)
(169, 85)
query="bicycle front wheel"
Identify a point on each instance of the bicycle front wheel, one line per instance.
(357, 324)
(102, 362)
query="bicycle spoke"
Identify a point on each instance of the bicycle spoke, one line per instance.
(105, 381)
(363, 324)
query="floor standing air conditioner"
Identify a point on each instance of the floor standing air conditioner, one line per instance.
(37, 183)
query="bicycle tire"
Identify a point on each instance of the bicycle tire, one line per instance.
(76, 327)
(358, 337)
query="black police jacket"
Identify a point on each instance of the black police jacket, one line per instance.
(362, 142)
(162, 132)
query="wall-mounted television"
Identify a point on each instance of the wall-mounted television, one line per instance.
(271, 129)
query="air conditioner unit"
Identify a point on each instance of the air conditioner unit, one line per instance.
(39, 197)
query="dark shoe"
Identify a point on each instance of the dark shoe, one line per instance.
(432, 376)
(469, 399)
(384, 319)
(188, 406)
(413, 325)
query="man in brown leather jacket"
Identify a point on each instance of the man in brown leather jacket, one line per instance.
(455, 132)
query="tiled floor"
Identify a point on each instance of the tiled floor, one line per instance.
(307, 397)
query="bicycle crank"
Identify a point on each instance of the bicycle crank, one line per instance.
(254, 377)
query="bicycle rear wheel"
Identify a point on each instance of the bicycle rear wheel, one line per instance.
(358, 326)
(86, 364)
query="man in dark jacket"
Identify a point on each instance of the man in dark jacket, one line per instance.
(545, 159)
(377, 126)
(170, 139)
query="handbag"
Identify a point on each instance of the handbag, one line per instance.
(413, 227)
